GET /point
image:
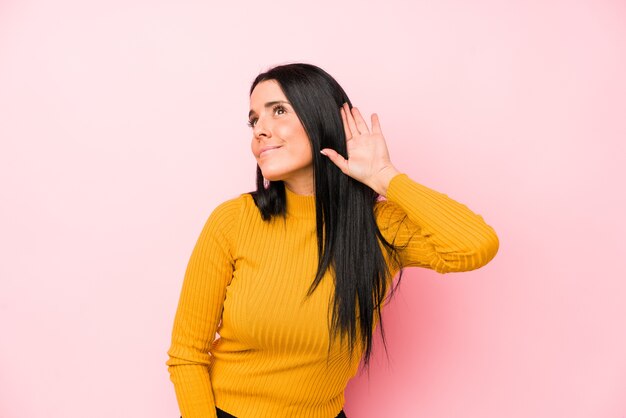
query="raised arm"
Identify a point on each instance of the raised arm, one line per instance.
(436, 231)
(433, 230)
(208, 273)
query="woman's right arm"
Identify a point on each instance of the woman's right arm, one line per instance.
(200, 306)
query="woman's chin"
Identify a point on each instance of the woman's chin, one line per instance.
(272, 175)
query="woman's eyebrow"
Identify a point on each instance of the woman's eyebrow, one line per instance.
(268, 104)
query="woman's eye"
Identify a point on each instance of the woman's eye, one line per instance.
(278, 110)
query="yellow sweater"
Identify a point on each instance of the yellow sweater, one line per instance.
(247, 279)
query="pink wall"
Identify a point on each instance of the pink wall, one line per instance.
(123, 125)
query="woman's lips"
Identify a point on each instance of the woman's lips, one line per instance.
(266, 150)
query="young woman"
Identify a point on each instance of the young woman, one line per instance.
(293, 276)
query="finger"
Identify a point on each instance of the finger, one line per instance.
(360, 122)
(337, 159)
(376, 124)
(351, 124)
(345, 124)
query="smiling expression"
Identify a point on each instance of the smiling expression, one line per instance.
(279, 142)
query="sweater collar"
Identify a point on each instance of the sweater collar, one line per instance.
(300, 206)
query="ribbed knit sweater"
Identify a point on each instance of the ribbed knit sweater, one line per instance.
(247, 280)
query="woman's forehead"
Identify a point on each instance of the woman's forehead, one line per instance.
(265, 92)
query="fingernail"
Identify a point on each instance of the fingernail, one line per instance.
(323, 152)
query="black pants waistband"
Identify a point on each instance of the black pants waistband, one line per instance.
(223, 414)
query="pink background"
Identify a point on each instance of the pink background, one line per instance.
(123, 124)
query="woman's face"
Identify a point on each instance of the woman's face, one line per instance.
(279, 142)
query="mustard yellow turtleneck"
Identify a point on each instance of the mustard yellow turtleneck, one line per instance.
(247, 279)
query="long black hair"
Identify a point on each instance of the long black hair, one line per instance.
(348, 238)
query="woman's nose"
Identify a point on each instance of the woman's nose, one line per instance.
(261, 129)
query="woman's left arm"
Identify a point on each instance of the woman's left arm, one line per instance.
(432, 230)
(440, 233)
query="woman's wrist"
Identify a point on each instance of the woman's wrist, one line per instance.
(380, 183)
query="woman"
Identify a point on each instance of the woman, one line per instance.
(293, 275)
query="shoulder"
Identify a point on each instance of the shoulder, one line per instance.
(230, 211)
(226, 220)
(229, 215)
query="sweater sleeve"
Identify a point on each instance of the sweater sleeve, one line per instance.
(432, 230)
(200, 306)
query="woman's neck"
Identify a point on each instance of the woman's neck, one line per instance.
(301, 187)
